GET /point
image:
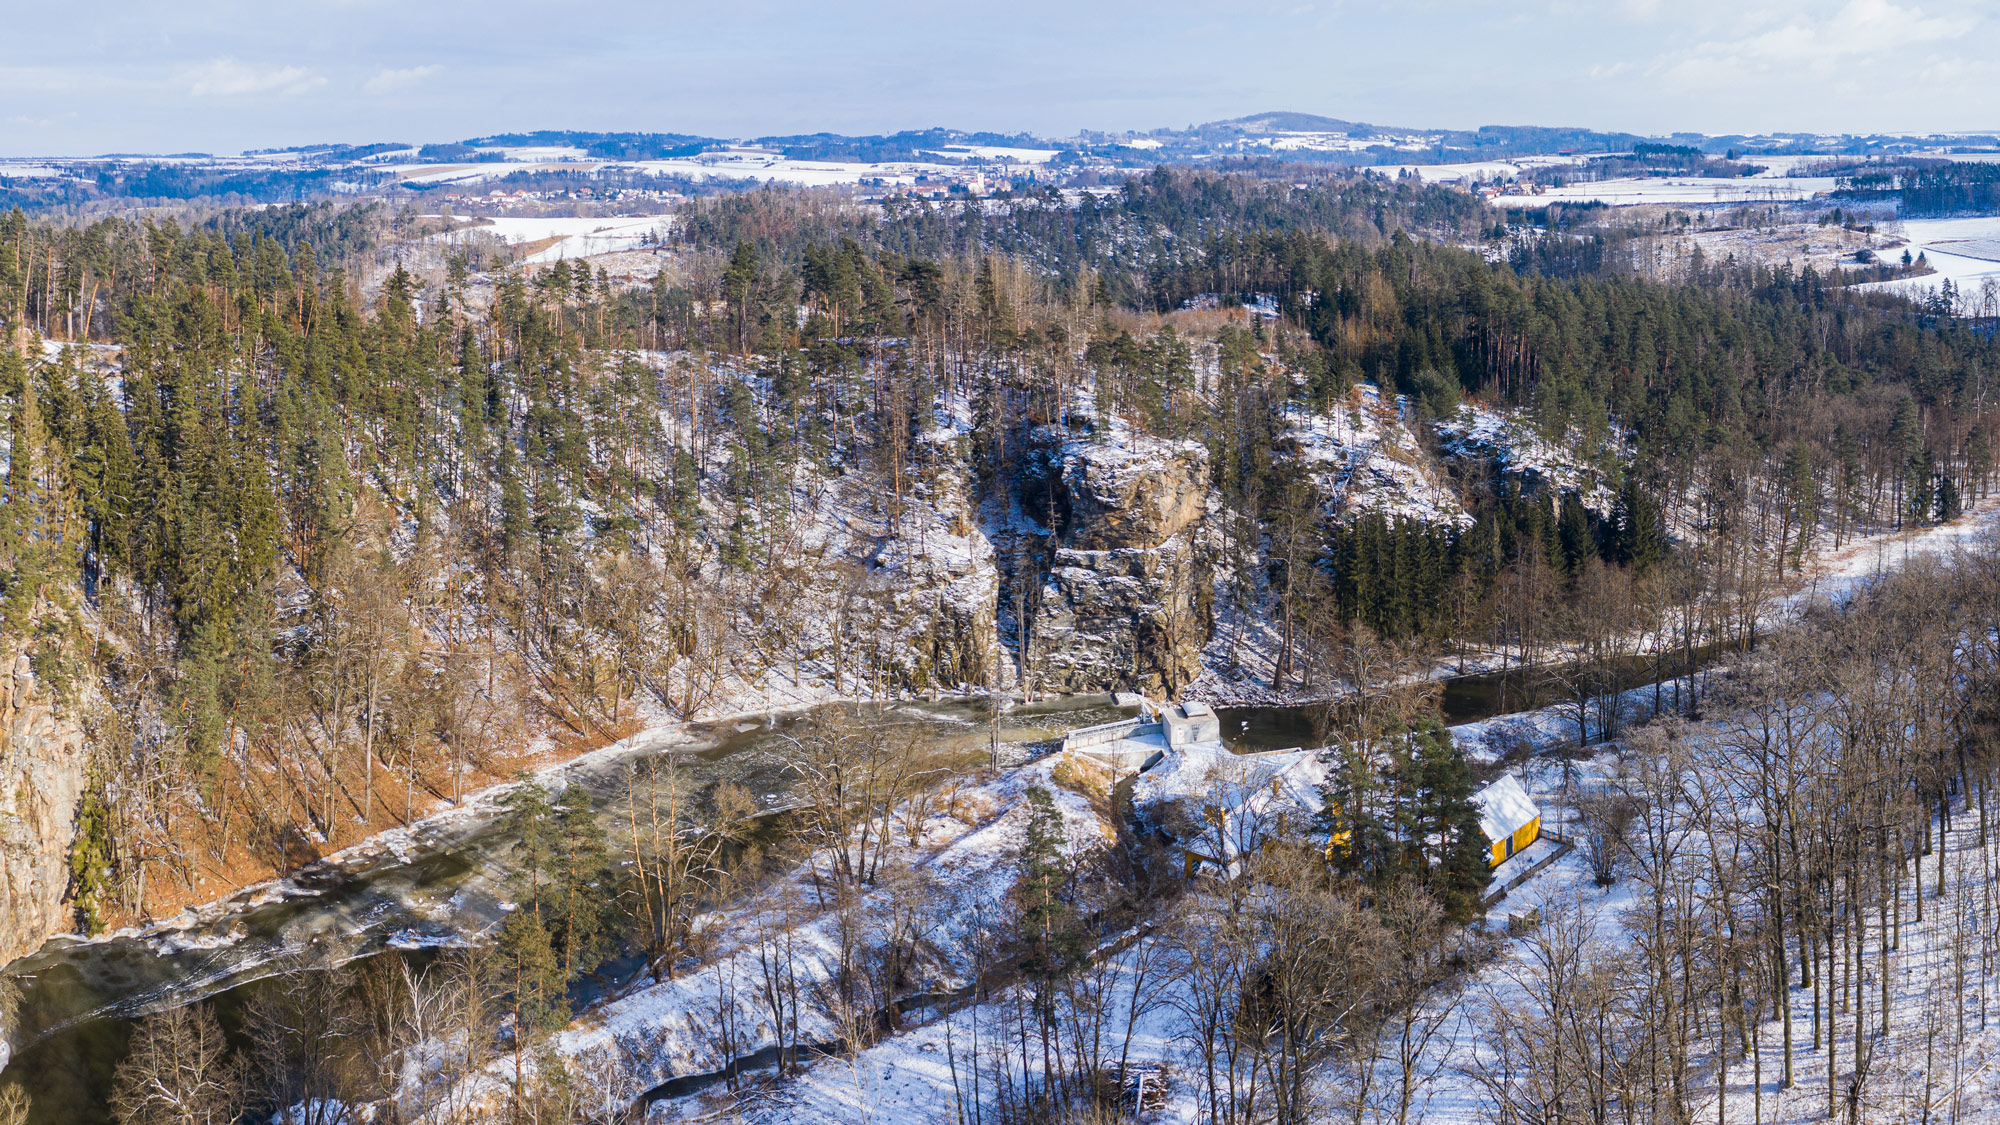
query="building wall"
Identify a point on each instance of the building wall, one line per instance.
(1528, 834)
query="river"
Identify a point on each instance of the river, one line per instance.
(77, 999)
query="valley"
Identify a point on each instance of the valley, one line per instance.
(537, 659)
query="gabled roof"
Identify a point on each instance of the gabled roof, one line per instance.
(1504, 808)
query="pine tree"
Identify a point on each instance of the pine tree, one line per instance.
(1045, 920)
(1949, 506)
(1359, 841)
(1573, 535)
(579, 904)
(90, 860)
(533, 972)
(1923, 487)
(1639, 541)
(739, 286)
(1454, 845)
(530, 821)
(1050, 933)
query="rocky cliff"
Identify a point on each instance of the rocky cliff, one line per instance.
(1124, 602)
(933, 590)
(42, 759)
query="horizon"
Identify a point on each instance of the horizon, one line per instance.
(305, 146)
(222, 77)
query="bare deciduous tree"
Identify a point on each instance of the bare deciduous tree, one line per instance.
(179, 1072)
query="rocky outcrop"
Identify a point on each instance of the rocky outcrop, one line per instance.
(1124, 603)
(1138, 494)
(931, 592)
(42, 775)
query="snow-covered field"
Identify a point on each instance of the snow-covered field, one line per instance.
(990, 152)
(1677, 189)
(1966, 251)
(1477, 171)
(1340, 142)
(580, 237)
(726, 164)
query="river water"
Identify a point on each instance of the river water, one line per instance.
(77, 999)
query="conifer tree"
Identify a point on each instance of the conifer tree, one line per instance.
(1638, 540)
(1360, 842)
(1447, 822)
(580, 904)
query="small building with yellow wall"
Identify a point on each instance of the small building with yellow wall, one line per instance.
(1509, 817)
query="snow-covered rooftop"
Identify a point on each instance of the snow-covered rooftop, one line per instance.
(1505, 808)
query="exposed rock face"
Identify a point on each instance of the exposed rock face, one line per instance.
(931, 592)
(1133, 496)
(1124, 603)
(940, 611)
(42, 759)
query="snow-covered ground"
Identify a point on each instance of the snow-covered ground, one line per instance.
(990, 152)
(1368, 460)
(1479, 171)
(1677, 189)
(1340, 142)
(1965, 251)
(965, 853)
(922, 1074)
(579, 237)
(723, 164)
(1921, 984)
(1513, 443)
(1835, 575)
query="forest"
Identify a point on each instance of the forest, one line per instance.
(351, 530)
(1928, 189)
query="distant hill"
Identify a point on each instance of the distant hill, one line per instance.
(1285, 121)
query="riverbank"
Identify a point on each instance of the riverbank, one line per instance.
(441, 878)
(1831, 576)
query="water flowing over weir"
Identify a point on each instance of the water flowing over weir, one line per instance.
(447, 880)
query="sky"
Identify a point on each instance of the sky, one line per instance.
(228, 75)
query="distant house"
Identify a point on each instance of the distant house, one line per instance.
(1244, 801)
(1509, 818)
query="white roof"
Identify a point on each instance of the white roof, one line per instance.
(1504, 808)
(1252, 793)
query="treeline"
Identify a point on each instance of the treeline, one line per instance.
(1931, 189)
(1400, 577)
(125, 183)
(1146, 242)
(82, 282)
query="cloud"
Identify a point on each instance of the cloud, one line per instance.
(395, 81)
(228, 78)
(1860, 33)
